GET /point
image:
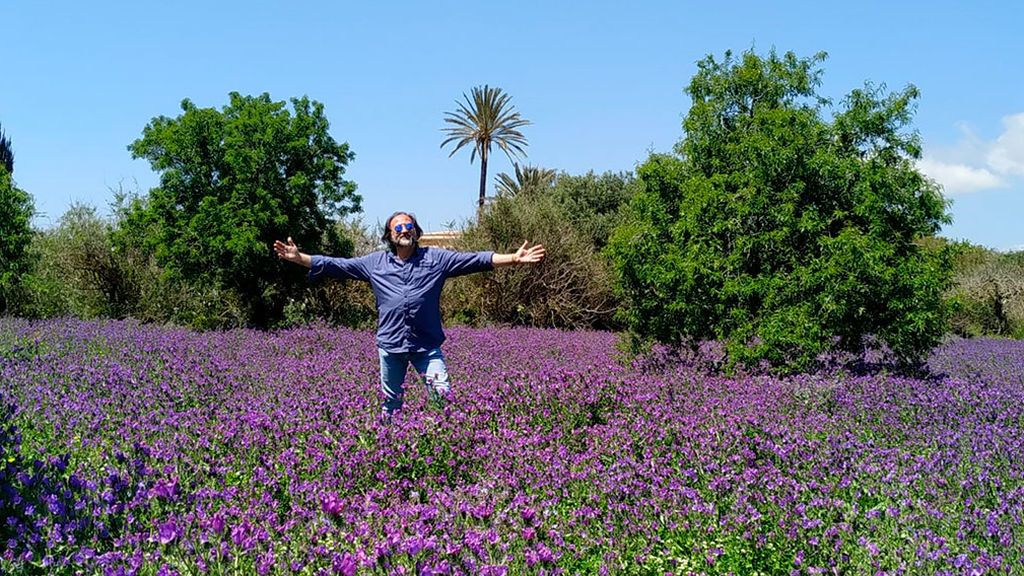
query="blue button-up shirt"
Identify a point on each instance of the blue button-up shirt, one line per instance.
(408, 292)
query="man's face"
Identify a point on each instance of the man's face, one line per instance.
(403, 231)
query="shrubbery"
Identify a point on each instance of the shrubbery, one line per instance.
(778, 232)
(987, 296)
(76, 271)
(572, 216)
(85, 267)
(338, 302)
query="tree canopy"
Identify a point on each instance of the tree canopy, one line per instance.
(782, 231)
(233, 180)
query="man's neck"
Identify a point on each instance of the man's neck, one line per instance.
(405, 252)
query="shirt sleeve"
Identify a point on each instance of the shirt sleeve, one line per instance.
(330, 267)
(462, 263)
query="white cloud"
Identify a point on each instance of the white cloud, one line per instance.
(1007, 153)
(959, 178)
(974, 164)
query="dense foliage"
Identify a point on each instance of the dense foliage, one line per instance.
(572, 216)
(780, 231)
(75, 271)
(988, 292)
(125, 446)
(16, 208)
(231, 182)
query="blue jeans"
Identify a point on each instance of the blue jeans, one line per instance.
(393, 366)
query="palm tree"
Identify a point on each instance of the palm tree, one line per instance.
(528, 180)
(6, 153)
(486, 118)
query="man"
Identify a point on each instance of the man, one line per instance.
(407, 282)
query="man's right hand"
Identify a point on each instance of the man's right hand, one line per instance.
(290, 252)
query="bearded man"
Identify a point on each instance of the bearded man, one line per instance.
(407, 280)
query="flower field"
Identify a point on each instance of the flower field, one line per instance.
(132, 449)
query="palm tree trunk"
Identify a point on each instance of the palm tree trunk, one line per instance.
(483, 182)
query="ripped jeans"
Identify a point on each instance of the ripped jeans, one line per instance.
(393, 367)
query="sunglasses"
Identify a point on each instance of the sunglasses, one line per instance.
(406, 227)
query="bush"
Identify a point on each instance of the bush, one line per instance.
(76, 271)
(570, 289)
(987, 293)
(594, 204)
(89, 267)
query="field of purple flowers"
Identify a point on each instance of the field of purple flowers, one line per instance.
(129, 449)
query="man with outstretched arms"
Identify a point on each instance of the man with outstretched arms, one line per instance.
(406, 282)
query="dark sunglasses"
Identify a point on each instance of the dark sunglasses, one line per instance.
(407, 227)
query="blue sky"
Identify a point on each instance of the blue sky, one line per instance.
(601, 82)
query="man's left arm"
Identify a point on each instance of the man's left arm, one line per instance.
(462, 263)
(525, 255)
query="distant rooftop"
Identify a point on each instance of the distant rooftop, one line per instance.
(440, 239)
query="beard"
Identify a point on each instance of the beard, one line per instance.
(405, 241)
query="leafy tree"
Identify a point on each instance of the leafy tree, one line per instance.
(16, 208)
(486, 119)
(527, 180)
(781, 232)
(233, 180)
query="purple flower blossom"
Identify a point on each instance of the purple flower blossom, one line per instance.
(344, 565)
(165, 488)
(332, 504)
(167, 532)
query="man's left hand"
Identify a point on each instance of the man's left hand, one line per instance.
(529, 254)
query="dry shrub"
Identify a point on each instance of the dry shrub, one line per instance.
(571, 288)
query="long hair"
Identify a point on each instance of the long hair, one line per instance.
(386, 236)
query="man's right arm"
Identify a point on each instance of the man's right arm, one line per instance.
(304, 260)
(352, 268)
(348, 268)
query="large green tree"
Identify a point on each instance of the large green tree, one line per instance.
(231, 181)
(486, 119)
(16, 209)
(781, 230)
